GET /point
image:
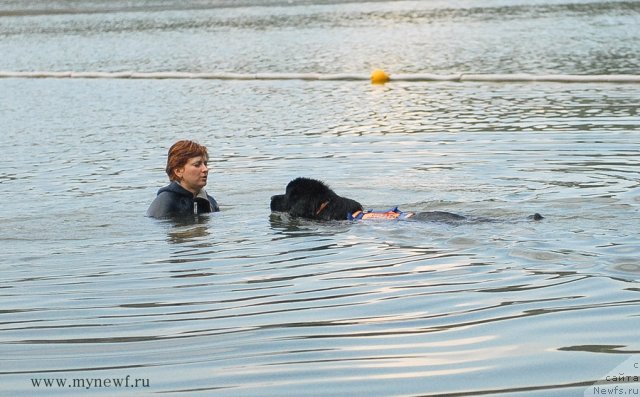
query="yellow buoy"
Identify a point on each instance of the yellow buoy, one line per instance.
(379, 76)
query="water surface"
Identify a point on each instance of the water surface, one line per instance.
(244, 302)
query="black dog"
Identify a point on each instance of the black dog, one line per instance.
(312, 199)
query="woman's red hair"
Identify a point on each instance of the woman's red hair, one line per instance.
(180, 153)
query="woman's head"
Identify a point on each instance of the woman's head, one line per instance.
(187, 164)
(180, 153)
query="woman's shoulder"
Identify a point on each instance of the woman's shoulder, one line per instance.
(168, 201)
(213, 204)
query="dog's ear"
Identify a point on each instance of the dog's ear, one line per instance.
(305, 207)
(305, 197)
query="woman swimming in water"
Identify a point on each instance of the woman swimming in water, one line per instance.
(185, 195)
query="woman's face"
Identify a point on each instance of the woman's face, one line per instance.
(193, 176)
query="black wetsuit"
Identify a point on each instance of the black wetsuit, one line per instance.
(175, 201)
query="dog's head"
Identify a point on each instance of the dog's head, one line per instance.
(301, 192)
(312, 199)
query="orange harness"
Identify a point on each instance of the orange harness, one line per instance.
(392, 214)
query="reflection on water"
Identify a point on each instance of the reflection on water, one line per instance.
(245, 302)
(188, 229)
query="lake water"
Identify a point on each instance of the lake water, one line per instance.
(246, 303)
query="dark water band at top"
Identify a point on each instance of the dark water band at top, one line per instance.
(35, 7)
(461, 77)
